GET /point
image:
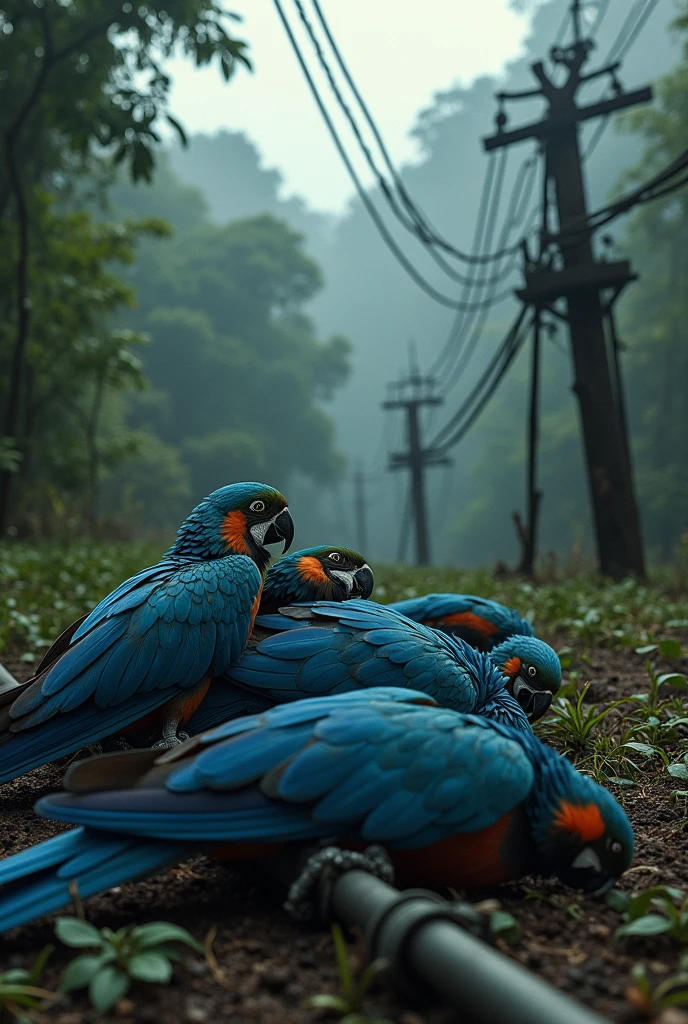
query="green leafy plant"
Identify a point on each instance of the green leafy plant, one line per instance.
(353, 989)
(19, 989)
(573, 723)
(659, 679)
(140, 953)
(673, 991)
(666, 648)
(659, 910)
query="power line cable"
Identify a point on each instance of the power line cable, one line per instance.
(459, 326)
(428, 231)
(370, 208)
(484, 382)
(472, 338)
(642, 194)
(466, 416)
(409, 215)
(478, 235)
(625, 39)
(459, 365)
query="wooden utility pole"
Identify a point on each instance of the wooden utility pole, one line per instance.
(413, 393)
(575, 274)
(527, 531)
(360, 516)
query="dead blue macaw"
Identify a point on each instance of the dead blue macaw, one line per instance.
(323, 573)
(532, 668)
(146, 654)
(457, 800)
(480, 622)
(328, 647)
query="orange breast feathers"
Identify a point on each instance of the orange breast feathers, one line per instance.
(255, 607)
(310, 569)
(469, 620)
(584, 820)
(181, 706)
(466, 859)
(234, 532)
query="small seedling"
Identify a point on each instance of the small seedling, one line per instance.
(666, 648)
(19, 990)
(672, 991)
(574, 723)
(505, 926)
(353, 990)
(655, 912)
(140, 953)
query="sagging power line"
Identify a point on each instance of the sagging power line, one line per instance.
(553, 274)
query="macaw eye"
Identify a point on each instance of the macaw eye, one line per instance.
(615, 846)
(532, 671)
(257, 506)
(335, 556)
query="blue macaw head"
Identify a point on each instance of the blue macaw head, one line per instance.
(533, 670)
(323, 573)
(579, 827)
(328, 568)
(239, 519)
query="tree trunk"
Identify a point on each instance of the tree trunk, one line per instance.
(22, 312)
(92, 456)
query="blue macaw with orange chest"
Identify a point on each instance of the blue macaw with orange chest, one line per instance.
(456, 799)
(479, 621)
(144, 658)
(329, 647)
(323, 573)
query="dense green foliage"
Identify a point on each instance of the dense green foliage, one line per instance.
(236, 370)
(50, 586)
(82, 87)
(655, 316)
(152, 357)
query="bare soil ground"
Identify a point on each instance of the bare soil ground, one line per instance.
(271, 966)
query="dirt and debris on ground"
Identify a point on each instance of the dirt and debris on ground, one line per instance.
(269, 966)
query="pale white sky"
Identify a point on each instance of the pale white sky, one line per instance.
(399, 52)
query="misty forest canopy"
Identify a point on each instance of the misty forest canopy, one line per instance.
(176, 320)
(153, 357)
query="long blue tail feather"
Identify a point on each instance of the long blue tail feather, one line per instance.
(36, 882)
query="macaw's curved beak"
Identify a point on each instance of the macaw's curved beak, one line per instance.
(534, 702)
(280, 528)
(586, 874)
(364, 581)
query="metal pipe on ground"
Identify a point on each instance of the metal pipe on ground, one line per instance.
(429, 952)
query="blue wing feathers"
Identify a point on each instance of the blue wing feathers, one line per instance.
(361, 764)
(137, 648)
(94, 863)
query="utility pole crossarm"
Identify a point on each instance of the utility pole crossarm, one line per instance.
(415, 392)
(540, 129)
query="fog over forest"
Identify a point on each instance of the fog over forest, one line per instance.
(266, 332)
(368, 298)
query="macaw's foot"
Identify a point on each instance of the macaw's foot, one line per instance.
(171, 736)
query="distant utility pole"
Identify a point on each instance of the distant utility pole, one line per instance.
(360, 516)
(590, 288)
(412, 393)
